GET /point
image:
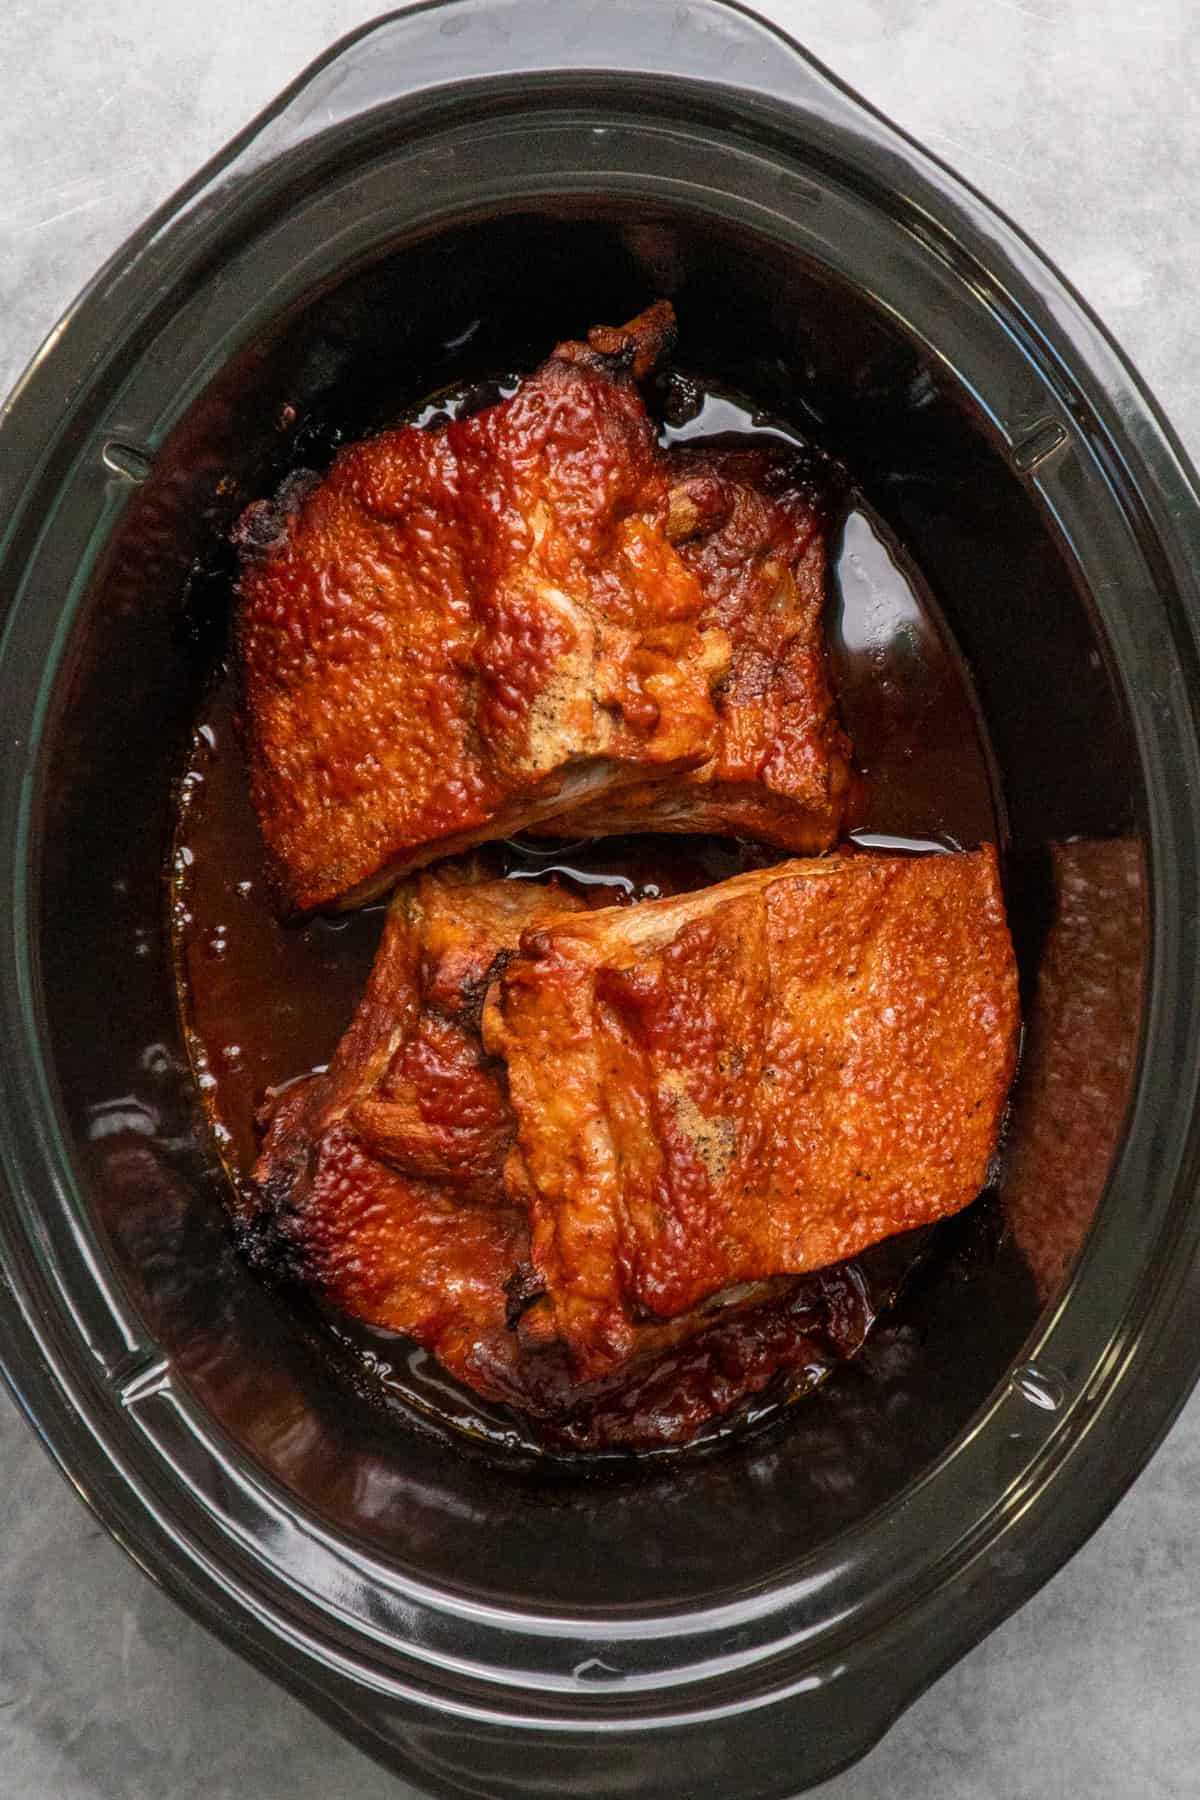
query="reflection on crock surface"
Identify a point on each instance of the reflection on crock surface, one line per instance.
(352, 1448)
(1081, 1042)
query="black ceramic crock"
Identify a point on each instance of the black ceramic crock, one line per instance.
(448, 188)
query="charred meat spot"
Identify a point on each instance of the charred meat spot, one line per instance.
(522, 1288)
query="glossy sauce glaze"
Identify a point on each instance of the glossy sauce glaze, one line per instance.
(265, 1002)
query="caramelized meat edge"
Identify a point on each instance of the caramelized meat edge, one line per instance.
(379, 1180)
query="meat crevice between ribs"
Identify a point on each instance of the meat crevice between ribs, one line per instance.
(609, 1165)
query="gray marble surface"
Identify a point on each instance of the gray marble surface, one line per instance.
(1079, 118)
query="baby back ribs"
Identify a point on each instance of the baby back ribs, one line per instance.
(763, 1077)
(380, 1185)
(604, 1226)
(458, 632)
(751, 523)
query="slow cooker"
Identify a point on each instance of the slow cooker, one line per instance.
(452, 181)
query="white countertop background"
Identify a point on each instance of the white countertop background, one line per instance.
(1081, 119)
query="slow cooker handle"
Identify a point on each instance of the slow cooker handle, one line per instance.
(404, 57)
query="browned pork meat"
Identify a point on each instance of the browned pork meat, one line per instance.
(760, 1078)
(459, 632)
(582, 1155)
